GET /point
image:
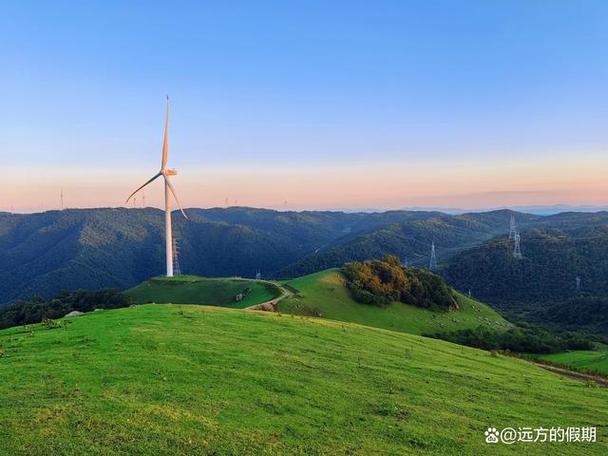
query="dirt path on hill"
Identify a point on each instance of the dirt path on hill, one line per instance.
(574, 374)
(272, 305)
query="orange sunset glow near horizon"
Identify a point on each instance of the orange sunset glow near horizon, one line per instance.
(353, 186)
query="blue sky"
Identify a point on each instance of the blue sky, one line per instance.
(304, 88)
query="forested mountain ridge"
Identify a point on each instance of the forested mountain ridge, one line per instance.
(97, 248)
(543, 285)
(72, 249)
(412, 239)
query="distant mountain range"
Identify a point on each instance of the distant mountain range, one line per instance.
(93, 248)
(411, 240)
(550, 209)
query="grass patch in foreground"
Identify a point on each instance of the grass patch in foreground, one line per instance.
(194, 380)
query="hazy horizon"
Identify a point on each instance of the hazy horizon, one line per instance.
(536, 210)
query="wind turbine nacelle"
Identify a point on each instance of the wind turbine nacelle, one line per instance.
(170, 172)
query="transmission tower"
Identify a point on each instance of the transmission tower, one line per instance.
(176, 268)
(512, 228)
(61, 198)
(433, 262)
(258, 275)
(404, 262)
(517, 246)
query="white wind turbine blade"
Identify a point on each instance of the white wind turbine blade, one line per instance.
(156, 176)
(170, 185)
(163, 163)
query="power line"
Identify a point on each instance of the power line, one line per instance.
(517, 246)
(512, 228)
(433, 262)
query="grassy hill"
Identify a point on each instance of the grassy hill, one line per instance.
(325, 294)
(595, 361)
(321, 294)
(197, 380)
(200, 290)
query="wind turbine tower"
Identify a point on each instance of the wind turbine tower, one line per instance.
(433, 262)
(512, 228)
(166, 173)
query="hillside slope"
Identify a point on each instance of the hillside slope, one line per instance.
(325, 294)
(200, 290)
(195, 380)
(585, 360)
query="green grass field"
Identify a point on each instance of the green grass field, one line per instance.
(195, 380)
(200, 290)
(594, 361)
(325, 294)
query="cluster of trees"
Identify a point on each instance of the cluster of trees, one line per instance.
(379, 282)
(38, 309)
(519, 340)
(588, 313)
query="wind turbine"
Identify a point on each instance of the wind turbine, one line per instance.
(169, 190)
